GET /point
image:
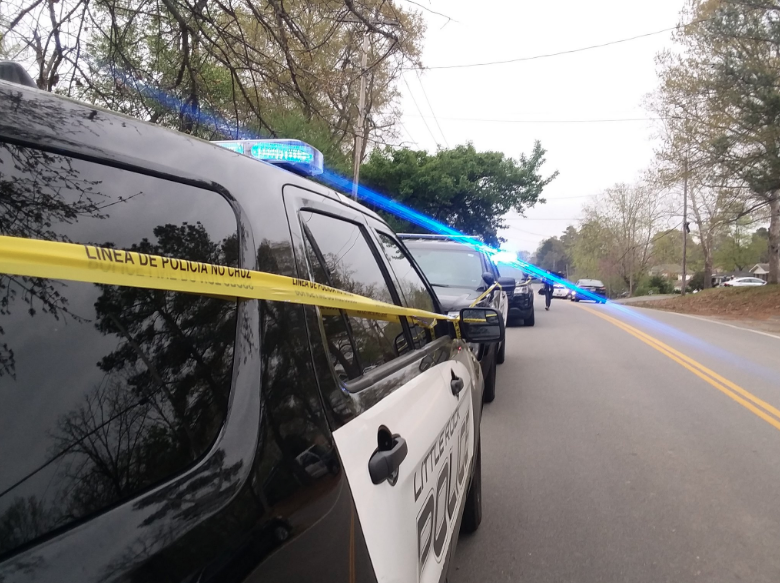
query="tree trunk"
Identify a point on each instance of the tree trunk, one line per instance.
(774, 237)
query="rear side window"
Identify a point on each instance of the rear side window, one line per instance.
(340, 256)
(412, 289)
(105, 390)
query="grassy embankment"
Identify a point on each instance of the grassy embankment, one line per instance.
(759, 303)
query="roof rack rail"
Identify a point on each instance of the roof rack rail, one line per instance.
(437, 237)
(15, 73)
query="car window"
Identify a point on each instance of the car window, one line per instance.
(340, 255)
(518, 274)
(106, 390)
(449, 267)
(413, 292)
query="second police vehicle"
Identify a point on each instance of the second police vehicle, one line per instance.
(463, 277)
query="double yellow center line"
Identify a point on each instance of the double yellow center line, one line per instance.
(745, 398)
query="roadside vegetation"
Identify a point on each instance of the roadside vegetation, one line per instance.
(756, 303)
(718, 105)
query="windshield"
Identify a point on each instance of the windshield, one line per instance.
(449, 267)
(507, 271)
(590, 283)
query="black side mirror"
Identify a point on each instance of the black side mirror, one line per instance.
(481, 325)
(507, 286)
(488, 278)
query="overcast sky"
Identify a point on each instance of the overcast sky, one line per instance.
(598, 84)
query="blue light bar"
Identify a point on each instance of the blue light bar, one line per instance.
(292, 154)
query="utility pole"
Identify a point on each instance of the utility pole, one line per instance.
(361, 118)
(685, 226)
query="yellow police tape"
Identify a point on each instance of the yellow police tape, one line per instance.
(91, 264)
(485, 293)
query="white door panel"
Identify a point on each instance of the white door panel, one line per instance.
(409, 526)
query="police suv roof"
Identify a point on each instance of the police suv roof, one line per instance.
(29, 116)
(412, 240)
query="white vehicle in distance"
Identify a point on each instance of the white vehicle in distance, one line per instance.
(560, 291)
(744, 282)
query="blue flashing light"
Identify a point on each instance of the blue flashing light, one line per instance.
(293, 154)
(282, 152)
(233, 146)
(504, 257)
(404, 212)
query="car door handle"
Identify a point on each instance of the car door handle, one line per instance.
(456, 384)
(384, 464)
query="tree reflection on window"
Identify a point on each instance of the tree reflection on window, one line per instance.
(339, 255)
(107, 390)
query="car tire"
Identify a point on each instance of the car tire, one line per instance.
(576, 299)
(501, 356)
(490, 384)
(529, 321)
(472, 513)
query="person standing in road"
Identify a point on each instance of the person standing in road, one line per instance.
(548, 292)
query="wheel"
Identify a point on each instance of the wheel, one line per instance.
(529, 321)
(472, 513)
(501, 356)
(576, 299)
(490, 384)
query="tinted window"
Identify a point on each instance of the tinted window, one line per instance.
(449, 267)
(413, 291)
(106, 390)
(518, 274)
(340, 255)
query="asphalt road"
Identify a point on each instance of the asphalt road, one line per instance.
(608, 457)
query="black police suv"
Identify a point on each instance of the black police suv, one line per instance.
(461, 275)
(521, 303)
(160, 436)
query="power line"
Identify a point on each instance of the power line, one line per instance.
(449, 18)
(525, 219)
(553, 199)
(408, 133)
(560, 53)
(419, 79)
(495, 120)
(418, 109)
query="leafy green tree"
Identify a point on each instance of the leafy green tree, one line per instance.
(251, 63)
(554, 255)
(736, 250)
(616, 238)
(470, 191)
(723, 85)
(667, 247)
(698, 281)
(759, 245)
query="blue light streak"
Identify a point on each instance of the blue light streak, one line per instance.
(404, 212)
(399, 210)
(282, 152)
